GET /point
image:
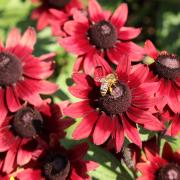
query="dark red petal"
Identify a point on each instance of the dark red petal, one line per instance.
(120, 15)
(150, 49)
(167, 152)
(131, 131)
(102, 129)
(84, 129)
(127, 33)
(78, 109)
(95, 11)
(78, 152)
(13, 38)
(123, 68)
(12, 99)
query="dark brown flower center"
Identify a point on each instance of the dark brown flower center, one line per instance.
(168, 66)
(58, 4)
(56, 166)
(116, 102)
(27, 122)
(102, 34)
(10, 69)
(169, 172)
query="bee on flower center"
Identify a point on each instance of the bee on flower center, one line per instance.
(107, 83)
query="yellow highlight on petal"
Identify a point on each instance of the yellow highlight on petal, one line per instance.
(12, 178)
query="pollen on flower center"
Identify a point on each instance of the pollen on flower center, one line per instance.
(10, 69)
(102, 34)
(116, 102)
(56, 166)
(169, 172)
(58, 4)
(27, 122)
(168, 66)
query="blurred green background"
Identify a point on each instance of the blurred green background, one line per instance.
(160, 20)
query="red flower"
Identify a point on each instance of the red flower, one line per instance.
(166, 71)
(25, 134)
(60, 164)
(21, 74)
(54, 13)
(100, 33)
(118, 111)
(155, 167)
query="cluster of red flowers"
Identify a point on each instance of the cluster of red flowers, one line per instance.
(124, 88)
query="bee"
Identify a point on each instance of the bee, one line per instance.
(107, 83)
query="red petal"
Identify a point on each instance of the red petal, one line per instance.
(28, 174)
(78, 65)
(3, 109)
(76, 45)
(145, 90)
(46, 87)
(12, 100)
(131, 131)
(78, 16)
(150, 49)
(138, 75)
(6, 139)
(43, 20)
(83, 80)
(173, 99)
(144, 117)
(127, 33)
(134, 51)
(123, 68)
(27, 93)
(119, 135)
(84, 129)
(10, 157)
(102, 129)
(13, 38)
(90, 165)
(175, 127)
(95, 11)
(23, 156)
(29, 38)
(74, 28)
(120, 15)
(167, 152)
(80, 92)
(78, 109)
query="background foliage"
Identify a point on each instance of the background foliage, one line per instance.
(160, 20)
